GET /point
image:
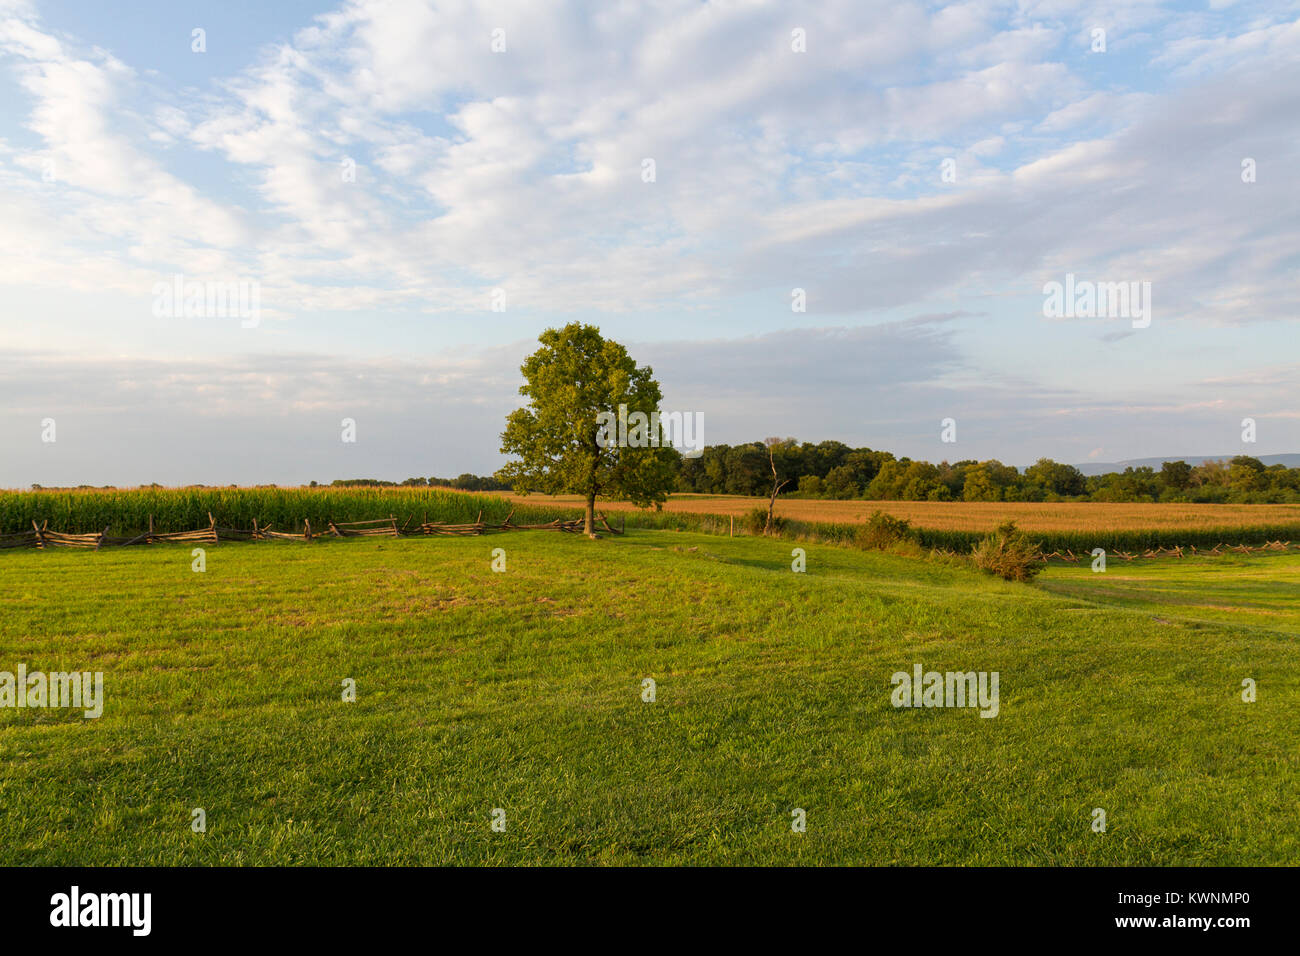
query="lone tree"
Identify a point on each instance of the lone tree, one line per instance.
(775, 445)
(591, 426)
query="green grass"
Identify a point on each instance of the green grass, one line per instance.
(1256, 592)
(522, 691)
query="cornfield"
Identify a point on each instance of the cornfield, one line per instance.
(980, 516)
(959, 526)
(126, 512)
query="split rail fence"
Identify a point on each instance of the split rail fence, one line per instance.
(1177, 552)
(42, 537)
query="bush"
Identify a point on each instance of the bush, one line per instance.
(756, 521)
(883, 531)
(1008, 553)
(810, 486)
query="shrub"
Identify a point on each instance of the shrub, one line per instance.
(756, 521)
(883, 531)
(1008, 553)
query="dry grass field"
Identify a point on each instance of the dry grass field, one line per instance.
(971, 515)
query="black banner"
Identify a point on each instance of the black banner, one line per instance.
(304, 905)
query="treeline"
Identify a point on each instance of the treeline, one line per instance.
(465, 482)
(832, 469)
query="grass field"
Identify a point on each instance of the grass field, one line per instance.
(522, 691)
(1242, 592)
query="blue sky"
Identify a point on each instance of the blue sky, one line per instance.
(127, 158)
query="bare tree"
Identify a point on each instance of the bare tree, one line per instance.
(777, 481)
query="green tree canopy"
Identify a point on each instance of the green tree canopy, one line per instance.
(1175, 474)
(578, 383)
(1057, 478)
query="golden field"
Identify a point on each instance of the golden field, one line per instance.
(968, 515)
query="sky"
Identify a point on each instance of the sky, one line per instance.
(833, 220)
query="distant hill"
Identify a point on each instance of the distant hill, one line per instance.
(1102, 467)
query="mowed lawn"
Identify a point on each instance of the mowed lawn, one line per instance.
(1245, 592)
(522, 691)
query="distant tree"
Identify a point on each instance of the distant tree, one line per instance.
(1283, 479)
(780, 478)
(810, 486)
(715, 470)
(746, 469)
(979, 485)
(689, 475)
(840, 483)
(562, 437)
(819, 459)
(1210, 473)
(1006, 478)
(1056, 478)
(888, 484)
(920, 481)
(1246, 474)
(953, 477)
(1175, 475)
(1132, 484)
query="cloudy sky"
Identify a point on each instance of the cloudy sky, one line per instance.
(417, 189)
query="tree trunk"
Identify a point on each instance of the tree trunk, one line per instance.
(777, 485)
(590, 525)
(771, 505)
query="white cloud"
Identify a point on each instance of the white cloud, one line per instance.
(522, 170)
(530, 177)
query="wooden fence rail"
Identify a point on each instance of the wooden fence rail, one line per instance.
(41, 537)
(1180, 551)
